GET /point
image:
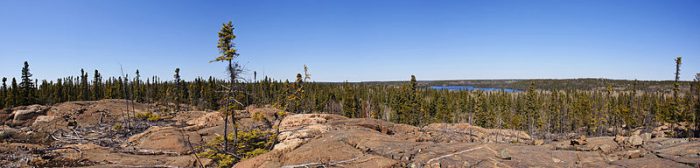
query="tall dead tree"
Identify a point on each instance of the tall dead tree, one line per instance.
(697, 104)
(126, 99)
(307, 75)
(228, 54)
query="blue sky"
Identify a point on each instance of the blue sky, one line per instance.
(356, 40)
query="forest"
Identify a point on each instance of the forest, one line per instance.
(546, 109)
(542, 108)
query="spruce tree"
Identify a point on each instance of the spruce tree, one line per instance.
(676, 109)
(3, 92)
(532, 109)
(697, 104)
(12, 94)
(297, 96)
(84, 86)
(97, 89)
(413, 111)
(138, 95)
(27, 94)
(177, 95)
(58, 93)
(228, 54)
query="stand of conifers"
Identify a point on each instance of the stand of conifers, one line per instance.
(541, 107)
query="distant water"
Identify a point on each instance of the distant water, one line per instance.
(472, 88)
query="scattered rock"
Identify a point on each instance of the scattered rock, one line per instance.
(619, 139)
(632, 154)
(503, 154)
(634, 141)
(538, 142)
(24, 115)
(7, 132)
(636, 132)
(581, 140)
(646, 137)
(27, 112)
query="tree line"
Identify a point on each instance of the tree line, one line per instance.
(538, 111)
(535, 110)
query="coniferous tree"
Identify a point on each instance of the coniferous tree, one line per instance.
(296, 98)
(84, 86)
(58, 92)
(3, 92)
(676, 109)
(138, 93)
(349, 101)
(13, 94)
(178, 89)
(532, 109)
(228, 54)
(697, 104)
(97, 89)
(413, 106)
(27, 94)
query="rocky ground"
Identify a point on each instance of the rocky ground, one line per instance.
(94, 134)
(315, 140)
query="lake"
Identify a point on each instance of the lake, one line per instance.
(472, 88)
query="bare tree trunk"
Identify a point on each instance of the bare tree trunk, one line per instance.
(470, 128)
(226, 126)
(126, 101)
(233, 111)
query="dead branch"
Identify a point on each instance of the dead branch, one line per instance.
(149, 152)
(316, 164)
(452, 154)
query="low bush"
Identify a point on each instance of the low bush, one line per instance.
(250, 144)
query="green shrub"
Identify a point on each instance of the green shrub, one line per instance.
(153, 117)
(149, 116)
(250, 144)
(117, 127)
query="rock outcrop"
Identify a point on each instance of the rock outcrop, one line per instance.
(313, 140)
(84, 134)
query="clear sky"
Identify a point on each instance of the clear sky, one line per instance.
(356, 40)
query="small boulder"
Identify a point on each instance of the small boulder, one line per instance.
(632, 154)
(7, 132)
(646, 137)
(581, 140)
(619, 139)
(28, 112)
(503, 154)
(538, 142)
(635, 141)
(636, 132)
(658, 134)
